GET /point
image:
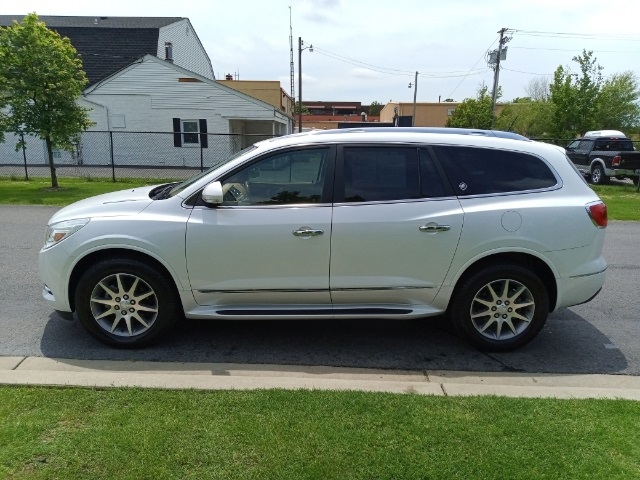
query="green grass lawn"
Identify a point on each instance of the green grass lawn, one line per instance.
(74, 433)
(38, 191)
(623, 202)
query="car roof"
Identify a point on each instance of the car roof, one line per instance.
(604, 133)
(445, 130)
(388, 135)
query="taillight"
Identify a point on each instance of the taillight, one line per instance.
(616, 161)
(598, 214)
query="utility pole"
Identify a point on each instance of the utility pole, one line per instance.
(292, 75)
(415, 95)
(300, 84)
(300, 49)
(498, 56)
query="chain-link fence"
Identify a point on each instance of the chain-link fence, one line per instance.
(563, 142)
(130, 155)
(123, 155)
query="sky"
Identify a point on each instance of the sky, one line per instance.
(369, 50)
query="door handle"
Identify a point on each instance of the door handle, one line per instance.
(307, 232)
(434, 227)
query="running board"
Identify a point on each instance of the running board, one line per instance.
(304, 312)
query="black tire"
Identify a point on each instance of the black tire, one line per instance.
(483, 313)
(635, 180)
(598, 177)
(126, 303)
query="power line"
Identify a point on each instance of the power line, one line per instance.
(393, 71)
(472, 68)
(573, 50)
(584, 36)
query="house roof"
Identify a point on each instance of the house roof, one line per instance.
(106, 44)
(54, 21)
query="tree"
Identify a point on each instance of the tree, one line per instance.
(575, 96)
(375, 108)
(41, 78)
(473, 112)
(617, 106)
(538, 89)
(301, 106)
(530, 116)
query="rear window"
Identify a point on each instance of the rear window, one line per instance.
(480, 171)
(613, 145)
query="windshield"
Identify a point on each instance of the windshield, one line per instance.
(181, 186)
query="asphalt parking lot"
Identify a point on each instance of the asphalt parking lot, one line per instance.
(598, 337)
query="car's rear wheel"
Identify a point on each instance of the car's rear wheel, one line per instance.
(500, 308)
(635, 180)
(125, 303)
(598, 177)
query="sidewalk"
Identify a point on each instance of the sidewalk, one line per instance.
(218, 376)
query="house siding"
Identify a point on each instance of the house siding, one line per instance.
(188, 52)
(164, 90)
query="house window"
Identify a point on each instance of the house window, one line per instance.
(190, 133)
(450, 111)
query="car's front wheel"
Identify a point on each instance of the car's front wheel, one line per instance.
(500, 308)
(125, 303)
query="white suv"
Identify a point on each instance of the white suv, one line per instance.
(367, 223)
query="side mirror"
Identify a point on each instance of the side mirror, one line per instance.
(212, 194)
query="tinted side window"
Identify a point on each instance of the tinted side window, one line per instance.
(477, 171)
(585, 145)
(286, 178)
(380, 173)
(390, 173)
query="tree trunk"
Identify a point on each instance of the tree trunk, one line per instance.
(54, 177)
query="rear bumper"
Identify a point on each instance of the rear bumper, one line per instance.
(580, 288)
(617, 172)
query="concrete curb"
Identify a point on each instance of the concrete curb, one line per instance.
(224, 376)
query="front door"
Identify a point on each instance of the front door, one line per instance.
(269, 243)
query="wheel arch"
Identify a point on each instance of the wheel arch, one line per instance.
(526, 260)
(103, 254)
(599, 161)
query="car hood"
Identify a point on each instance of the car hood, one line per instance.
(124, 202)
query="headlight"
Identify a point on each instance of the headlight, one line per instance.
(61, 230)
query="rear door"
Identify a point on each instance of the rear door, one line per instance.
(396, 226)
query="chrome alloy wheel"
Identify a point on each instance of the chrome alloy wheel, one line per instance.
(124, 305)
(502, 309)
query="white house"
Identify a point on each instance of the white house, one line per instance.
(152, 74)
(153, 95)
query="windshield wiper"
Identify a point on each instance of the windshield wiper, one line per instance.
(162, 192)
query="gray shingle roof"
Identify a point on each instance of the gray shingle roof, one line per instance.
(96, 21)
(106, 44)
